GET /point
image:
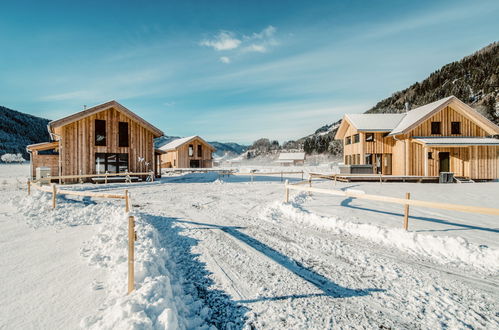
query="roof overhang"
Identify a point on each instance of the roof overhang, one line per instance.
(42, 146)
(456, 141)
(102, 107)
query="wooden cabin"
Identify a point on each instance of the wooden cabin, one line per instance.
(188, 152)
(105, 138)
(291, 158)
(443, 136)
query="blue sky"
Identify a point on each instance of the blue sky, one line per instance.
(230, 70)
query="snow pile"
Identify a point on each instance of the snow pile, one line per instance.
(445, 250)
(158, 301)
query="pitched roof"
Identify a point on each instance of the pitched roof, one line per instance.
(417, 115)
(102, 107)
(178, 142)
(460, 141)
(292, 156)
(375, 121)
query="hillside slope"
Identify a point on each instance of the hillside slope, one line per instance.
(17, 130)
(474, 80)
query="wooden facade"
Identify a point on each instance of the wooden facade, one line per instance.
(128, 143)
(416, 150)
(177, 153)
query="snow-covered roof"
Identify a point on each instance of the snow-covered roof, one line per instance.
(460, 141)
(375, 121)
(416, 115)
(172, 145)
(284, 161)
(292, 156)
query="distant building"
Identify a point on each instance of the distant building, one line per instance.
(291, 158)
(444, 136)
(105, 138)
(188, 152)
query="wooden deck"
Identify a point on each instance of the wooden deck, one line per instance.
(375, 178)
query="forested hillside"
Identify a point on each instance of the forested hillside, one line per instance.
(474, 80)
(17, 130)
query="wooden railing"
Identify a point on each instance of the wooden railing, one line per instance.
(103, 175)
(403, 201)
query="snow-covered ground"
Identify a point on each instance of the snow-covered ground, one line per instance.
(229, 253)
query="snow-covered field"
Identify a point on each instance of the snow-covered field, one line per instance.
(228, 253)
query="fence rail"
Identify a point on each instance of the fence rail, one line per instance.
(103, 175)
(403, 201)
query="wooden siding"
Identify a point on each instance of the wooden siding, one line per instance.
(179, 158)
(78, 143)
(51, 161)
(445, 117)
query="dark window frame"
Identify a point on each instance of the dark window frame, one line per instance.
(436, 127)
(369, 137)
(190, 151)
(430, 155)
(123, 135)
(455, 127)
(356, 138)
(348, 140)
(100, 133)
(121, 159)
(200, 150)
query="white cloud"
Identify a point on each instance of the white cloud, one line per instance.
(256, 48)
(224, 59)
(268, 32)
(224, 40)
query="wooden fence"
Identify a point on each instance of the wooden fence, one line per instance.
(103, 175)
(253, 174)
(403, 201)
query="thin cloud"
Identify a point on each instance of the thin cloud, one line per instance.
(224, 59)
(256, 48)
(224, 40)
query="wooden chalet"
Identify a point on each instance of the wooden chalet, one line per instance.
(188, 152)
(105, 138)
(443, 136)
(291, 158)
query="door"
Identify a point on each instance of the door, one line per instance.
(378, 163)
(194, 164)
(444, 161)
(387, 164)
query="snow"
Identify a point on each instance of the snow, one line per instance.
(375, 121)
(224, 252)
(176, 143)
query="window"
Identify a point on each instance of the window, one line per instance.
(111, 163)
(100, 132)
(369, 159)
(430, 155)
(348, 140)
(356, 138)
(123, 134)
(200, 150)
(435, 127)
(455, 127)
(191, 150)
(369, 137)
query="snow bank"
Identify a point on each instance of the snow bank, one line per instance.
(445, 250)
(158, 301)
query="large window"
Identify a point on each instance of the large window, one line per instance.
(191, 150)
(356, 138)
(435, 127)
(100, 132)
(348, 140)
(200, 150)
(455, 127)
(123, 134)
(111, 163)
(369, 159)
(369, 137)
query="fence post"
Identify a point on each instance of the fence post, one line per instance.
(152, 176)
(406, 212)
(335, 179)
(105, 178)
(29, 187)
(286, 197)
(131, 257)
(54, 195)
(251, 176)
(127, 202)
(281, 176)
(380, 181)
(302, 175)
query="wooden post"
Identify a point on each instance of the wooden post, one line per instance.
(152, 176)
(54, 195)
(131, 245)
(105, 178)
(310, 184)
(286, 198)
(251, 176)
(406, 212)
(29, 187)
(127, 201)
(380, 178)
(335, 179)
(302, 175)
(281, 176)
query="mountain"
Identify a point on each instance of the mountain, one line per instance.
(474, 80)
(17, 130)
(222, 148)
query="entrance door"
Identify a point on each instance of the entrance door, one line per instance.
(387, 164)
(194, 164)
(444, 161)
